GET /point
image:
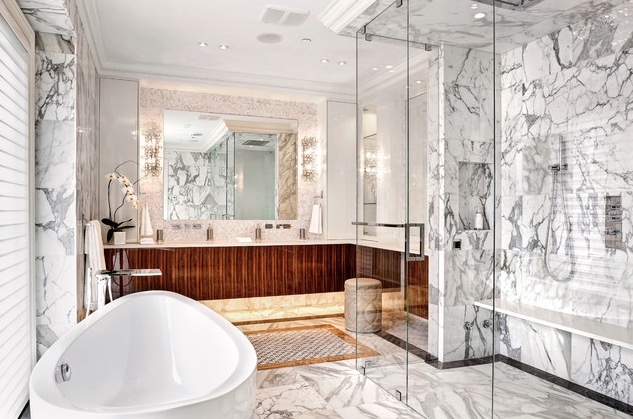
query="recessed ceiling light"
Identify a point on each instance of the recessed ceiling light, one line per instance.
(388, 66)
(270, 38)
(374, 68)
(418, 81)
(202, 44)
(473, 6)
(480, 15)
(223, 46)
(324, 60)
(342, 63)
(306, 40)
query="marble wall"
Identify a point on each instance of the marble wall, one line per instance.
(460, 133)
(152, 104)
(568, 92)
(198, 184)
(65, 150)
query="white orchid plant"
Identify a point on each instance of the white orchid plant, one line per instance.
(129, 195)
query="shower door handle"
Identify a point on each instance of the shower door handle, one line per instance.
(407, 242)
(407, 236)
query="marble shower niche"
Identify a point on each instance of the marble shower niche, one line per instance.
(475, 193)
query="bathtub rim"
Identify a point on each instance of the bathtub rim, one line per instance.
(43, 385)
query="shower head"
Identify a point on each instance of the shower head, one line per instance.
(511, 4)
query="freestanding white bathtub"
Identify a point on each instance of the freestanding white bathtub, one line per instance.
(152, 354)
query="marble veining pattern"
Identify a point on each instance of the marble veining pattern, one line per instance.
(198, 185)
(460, 147)
(56, 80)
(66, 150)
(433, 23)
(568, 92)
(48, 16)
(603, 367)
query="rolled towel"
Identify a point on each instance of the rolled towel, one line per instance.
(316, 226)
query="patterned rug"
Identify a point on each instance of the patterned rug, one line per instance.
(278, 348)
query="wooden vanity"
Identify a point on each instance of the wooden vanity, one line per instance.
(209, 271)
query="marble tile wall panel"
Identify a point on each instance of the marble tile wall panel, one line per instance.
(55, 185)
(475, 193)
(48, 16)
(287, 177)
(508, 278)
(464, 334)
(568, 91)
(460, 93)
(65, 150)
(196, 185)
(551, 74)
(468, 277)
(152, 104)
(87, 143)
(602, 367)
(542, 347)
(436, 147)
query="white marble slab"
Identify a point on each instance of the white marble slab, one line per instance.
(394, 246)
(234, 243)
(582, 326)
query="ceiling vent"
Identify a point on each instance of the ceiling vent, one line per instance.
(280, 15)
(258, 143)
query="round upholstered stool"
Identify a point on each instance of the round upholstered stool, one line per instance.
(366, 317)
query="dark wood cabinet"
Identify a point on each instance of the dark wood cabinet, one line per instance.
(210, 273)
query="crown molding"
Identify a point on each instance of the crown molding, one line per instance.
(228, 82)
(88, 14)
(340, 13)
(314, 91)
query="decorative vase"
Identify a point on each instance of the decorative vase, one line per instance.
(119, 237)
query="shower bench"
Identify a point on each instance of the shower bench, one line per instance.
(609, 333)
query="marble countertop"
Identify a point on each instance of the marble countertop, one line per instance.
(587, 327)
(233, 243)
(386, 245)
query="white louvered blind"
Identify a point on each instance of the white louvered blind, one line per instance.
(15, 295)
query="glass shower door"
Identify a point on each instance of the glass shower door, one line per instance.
(390, 222)
(426, 114)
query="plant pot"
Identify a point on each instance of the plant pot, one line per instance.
(119, 237)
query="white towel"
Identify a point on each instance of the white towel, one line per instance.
(316, 226)
(93, 247)
(147, 232)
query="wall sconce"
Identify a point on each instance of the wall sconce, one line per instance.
(151, 150)
(309, 158)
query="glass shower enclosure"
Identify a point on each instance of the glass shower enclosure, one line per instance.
(502, 127)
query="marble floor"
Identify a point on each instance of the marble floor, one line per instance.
(337, 390)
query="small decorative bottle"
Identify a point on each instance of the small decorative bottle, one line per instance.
(479, 220)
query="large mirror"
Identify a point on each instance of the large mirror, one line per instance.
(229, 167)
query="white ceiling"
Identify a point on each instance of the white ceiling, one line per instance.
(156, 40)
(159, 39)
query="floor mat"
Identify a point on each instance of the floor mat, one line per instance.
(277, 348)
